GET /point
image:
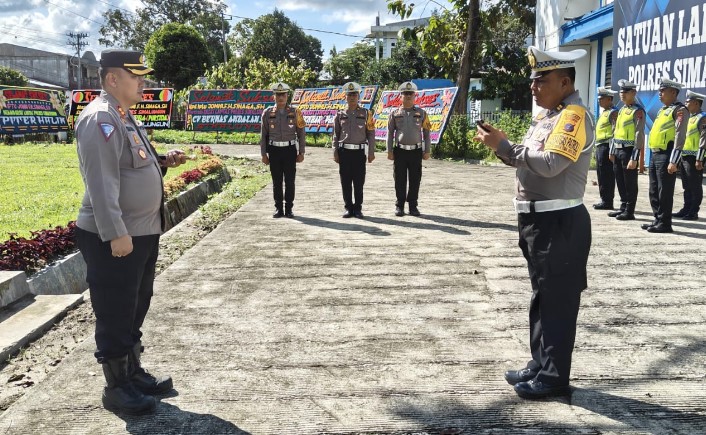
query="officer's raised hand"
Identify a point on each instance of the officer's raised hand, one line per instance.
(173, 159)
(672, 168)
(490, 136)
(265, 159)
(300, 158)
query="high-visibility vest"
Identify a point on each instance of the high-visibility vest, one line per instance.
(693, 133)
(663, 129)
(625, 125)
(604, 129)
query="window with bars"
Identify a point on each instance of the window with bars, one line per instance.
(608, 68)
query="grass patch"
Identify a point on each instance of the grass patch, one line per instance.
(41, 186)
(189, 137)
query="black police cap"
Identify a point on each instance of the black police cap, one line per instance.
(132, 60)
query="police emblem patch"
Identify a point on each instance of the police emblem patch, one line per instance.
(569, 127)
(107, 129)
(142, 154)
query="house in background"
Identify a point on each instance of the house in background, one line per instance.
(385, 37)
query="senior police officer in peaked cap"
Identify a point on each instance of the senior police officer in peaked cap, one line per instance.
(118, 227)
(554, 226)
(666, 142)
(282, 145)
(353, 144)
(408, 142)
(691, 168)
(604, 134)
(628, 142)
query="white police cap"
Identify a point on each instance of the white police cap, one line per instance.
(606, 92)
(665, 82)
(626, 85)
(691, 95)
(280, 88)
(408, 87)
(352, 88)
(543, 62)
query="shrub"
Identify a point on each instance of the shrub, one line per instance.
(211, 165)
(31, 255)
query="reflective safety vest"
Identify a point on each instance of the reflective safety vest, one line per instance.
(625, 126)
(693, 133)
(663, 129)
(604, 129)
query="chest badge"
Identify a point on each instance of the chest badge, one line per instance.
(142, 154)
(136, 138)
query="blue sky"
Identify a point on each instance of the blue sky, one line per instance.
(43, 24)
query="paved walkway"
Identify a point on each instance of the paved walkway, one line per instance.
(400, 325)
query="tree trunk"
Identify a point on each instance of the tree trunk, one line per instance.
(470, 48)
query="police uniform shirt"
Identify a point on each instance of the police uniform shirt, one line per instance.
(701, 128)
(552, 161)
(409, 127)
(120, 171)
(354, 127)
(282, 126)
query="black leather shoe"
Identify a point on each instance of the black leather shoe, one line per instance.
(348, 214)
(691, 217)
(615, 213)
(414, 211)
(646, 226)
(680, 213)
(288, 214)
(358, 214)
(278, 214)
(516, 376)
(399, 211)
(624, 216)
(603, 206)
(660, 229)
(534, 389)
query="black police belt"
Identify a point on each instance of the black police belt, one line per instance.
(410, 147)
(354, 146)
(623, 143)
(542, 206)
(285, 143)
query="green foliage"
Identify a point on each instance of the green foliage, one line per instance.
(261, 73)
(178, 54)
(124, 29)
(349, 64)
(10, 77)
(408, 61)
(277, 38)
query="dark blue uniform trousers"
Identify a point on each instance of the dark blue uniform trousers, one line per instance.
(691, 181)
(351, 168)
(625, 178)
(604, 171)
(556, 246)
(283, 166)
(662, 187)
(407, 162)
(120, 288)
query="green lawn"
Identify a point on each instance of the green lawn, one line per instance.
(41, 187)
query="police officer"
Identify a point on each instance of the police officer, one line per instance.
(408, 142)
(604, 134)
(282, 146)
(691, 167)
(353, 144)
(119, 224)
(554, 226)
(666, 143)
(628, 142)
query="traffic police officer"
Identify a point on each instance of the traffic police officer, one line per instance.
(118, 227)
(604, 134)
(282, 146)
(353, 144)
(554, 226)
(628, 142)
(691, 167)
(408, 142)
(666, 144)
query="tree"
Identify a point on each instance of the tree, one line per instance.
(261, 73)
(349, 64)
(178, 54)
(277, 38)
(10, 77)
(124, 29)
(406, 62)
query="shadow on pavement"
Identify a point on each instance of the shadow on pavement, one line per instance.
(409, 222)
(468, 223)
(375, 231)
(170, 419)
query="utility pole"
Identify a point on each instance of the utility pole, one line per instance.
(223, 35)
(77, 42)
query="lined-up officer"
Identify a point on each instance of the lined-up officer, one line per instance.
(628, 143)
(118, 227)
(604, 134)
(691, 168)
(282, 146)
(555, 228)
(666, 143)
(353, 144)
(408, 142)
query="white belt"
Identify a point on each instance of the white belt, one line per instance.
(283, 144)
(622, 143)
(409, 147)
(540, 206)
(354, 146)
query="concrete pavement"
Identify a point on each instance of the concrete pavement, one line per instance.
(400, 325)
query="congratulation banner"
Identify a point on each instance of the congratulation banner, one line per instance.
(438, 104)
(320, 105)
(29, 110)
(154, 111)
(659, 38)
(227, 109)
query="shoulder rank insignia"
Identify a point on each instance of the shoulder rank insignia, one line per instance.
(569, 136)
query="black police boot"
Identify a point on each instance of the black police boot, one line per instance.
(399, 211)
(603, 205)
(651, 224)
(142, 379)
(288, 212)
(278, 211)
(628, 214)
(534, 389)
(619, 211)
(120, 394)
(681, 213)
(349, 213)
(414, 211)
(691, 217)
(358, 213)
